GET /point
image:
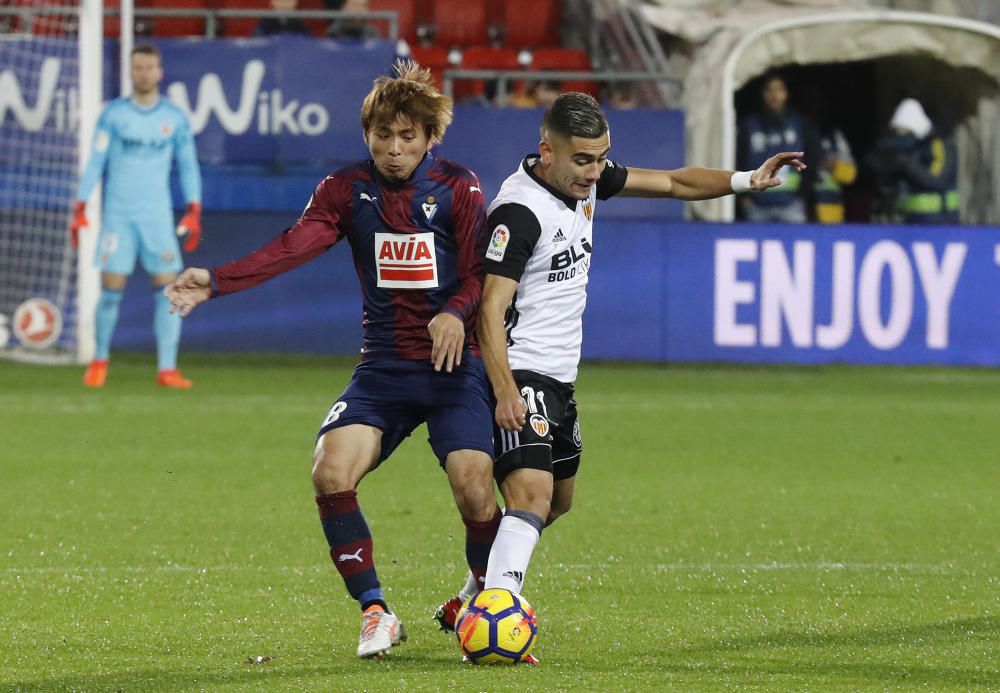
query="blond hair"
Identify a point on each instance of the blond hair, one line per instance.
(411, 94)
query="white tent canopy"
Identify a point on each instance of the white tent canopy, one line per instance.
(741, 44)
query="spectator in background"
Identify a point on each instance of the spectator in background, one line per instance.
(537, 95)
(836, 169)
(918, 165)
(269, 26)
(546, 93)
(350, 28)
(775, 128)
(622, 96)
(7, 21)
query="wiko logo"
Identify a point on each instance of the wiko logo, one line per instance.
(62, 105)
(273, 115)
(268, 109)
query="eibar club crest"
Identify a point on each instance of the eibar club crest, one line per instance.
(430, 207)
(588, 210)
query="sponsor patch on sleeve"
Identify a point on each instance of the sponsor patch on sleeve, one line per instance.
(498, 243)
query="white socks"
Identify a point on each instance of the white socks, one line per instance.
(470, 588)
(511, 552)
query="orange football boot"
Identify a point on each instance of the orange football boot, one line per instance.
(173, 379)
(97, 373)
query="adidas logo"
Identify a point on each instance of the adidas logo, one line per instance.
(559, 237)
(515, 575)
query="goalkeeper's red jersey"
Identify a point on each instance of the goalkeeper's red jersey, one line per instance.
(417, 249)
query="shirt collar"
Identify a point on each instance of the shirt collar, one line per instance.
(529, 167)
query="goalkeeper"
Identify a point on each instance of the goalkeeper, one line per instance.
(135, 142)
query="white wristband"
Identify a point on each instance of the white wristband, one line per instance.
(741, 181)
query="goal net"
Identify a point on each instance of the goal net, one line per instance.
(42, 122)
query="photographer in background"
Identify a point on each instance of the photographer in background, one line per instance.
(917, 168)
(772, 128)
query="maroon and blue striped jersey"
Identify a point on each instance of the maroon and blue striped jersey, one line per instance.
(417, 249)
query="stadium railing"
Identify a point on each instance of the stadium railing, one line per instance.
(212, 16)
(504, 78)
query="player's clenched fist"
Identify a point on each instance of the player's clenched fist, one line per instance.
(190, 226)
(79, 222)
(192, 287)
(511, 410)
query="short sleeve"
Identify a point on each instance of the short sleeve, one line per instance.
(612, 180)
(514, 231)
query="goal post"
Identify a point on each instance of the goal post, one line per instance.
(91, 52)
(50, 95)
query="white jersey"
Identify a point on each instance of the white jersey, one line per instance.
(543, 240)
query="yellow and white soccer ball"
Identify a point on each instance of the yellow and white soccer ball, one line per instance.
(496, 626)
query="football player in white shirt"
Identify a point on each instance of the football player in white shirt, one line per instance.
(530, 324)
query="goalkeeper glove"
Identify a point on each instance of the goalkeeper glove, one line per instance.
(79, 222)
(190, 226)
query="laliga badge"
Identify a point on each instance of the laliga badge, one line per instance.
(498, 243)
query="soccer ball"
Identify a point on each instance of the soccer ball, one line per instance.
(496, 626)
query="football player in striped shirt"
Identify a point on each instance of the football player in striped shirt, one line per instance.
(530, 329)
(415, 224)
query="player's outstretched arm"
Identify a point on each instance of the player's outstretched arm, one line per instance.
(497, 294)
(694, 183)
(191, 288)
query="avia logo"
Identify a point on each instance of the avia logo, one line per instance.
(406, 261)
(61, 105)
(268, 108)
(356, 556)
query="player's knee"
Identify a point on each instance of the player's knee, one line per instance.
(474, 496)
(470, 474)
(327, 477)
(529, 499)
(529, 490)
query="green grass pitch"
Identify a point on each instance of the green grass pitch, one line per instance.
(734, 528)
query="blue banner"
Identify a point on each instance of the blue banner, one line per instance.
(668, 292)
(282, 99)
(795, 294)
